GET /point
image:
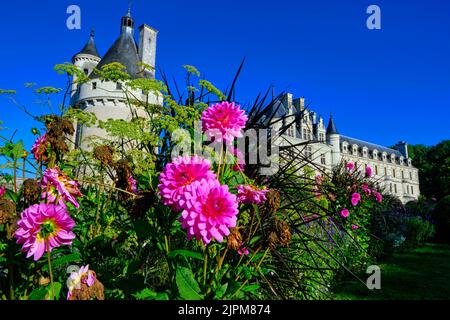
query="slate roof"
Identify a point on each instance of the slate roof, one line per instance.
(370, 146)
(90, 47)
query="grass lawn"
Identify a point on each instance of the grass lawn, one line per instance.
(423, 273)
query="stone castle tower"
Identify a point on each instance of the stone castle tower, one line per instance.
(107, 100)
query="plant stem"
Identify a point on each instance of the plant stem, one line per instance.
(11, 272)
(15, 176)
(205, 266)
(50, 269)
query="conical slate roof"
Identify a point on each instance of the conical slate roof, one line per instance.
(123, 51)
(331, 129)
(90, 47)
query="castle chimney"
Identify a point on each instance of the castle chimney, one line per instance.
(147, 47)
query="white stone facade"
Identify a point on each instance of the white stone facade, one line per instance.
(391, 168)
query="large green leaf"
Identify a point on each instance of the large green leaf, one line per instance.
(187, 285)
(185, 253)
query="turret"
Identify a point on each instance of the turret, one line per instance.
(333, 139)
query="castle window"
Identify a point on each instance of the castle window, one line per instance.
(323, 159)
(118, 86)
(365, 153)
(407, 189)
(94, 85)
(304, 134)
(403, 175)
(390, 187)
(412, 190)
(309, 153)
(410, 175)
(395, 188)
(86, 71)
(385, 171)
(376, 170)
(393, 173)
(290, 131)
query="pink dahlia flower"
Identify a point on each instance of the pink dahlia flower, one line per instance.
(43, 227)
(378, 196)
(77, 277)
(350, 166)
(365, 188)
(57, 188)
(210, 212)
(179, 174)
(133, 184)
(356, 197)
(369, 171)
(39, 148)
(2, 191)
(250, 194)
(355, 227)
(223, 121)
(344, 213)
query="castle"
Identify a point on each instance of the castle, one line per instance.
(392, 168)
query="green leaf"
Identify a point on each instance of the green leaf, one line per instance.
(57, 287)
(187, 285)
(64, 260)
(185, 253)
(162, 296)
(146, 294)
(38, 294)
(221, 292)
(251, 288)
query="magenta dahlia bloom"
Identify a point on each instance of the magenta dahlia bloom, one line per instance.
(43, 227)
(224, 121)
(365, 188)
(355, 227)
(350, 166)
(356, 197)
(2, 191)
(378, 196)
(59, 188)
(344, 213)
(369, 171)
(39, 148)
(250, 194)
(179, 174)
(210, 212)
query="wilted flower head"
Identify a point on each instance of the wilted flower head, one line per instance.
(368, 171)
(104, 154)
(356, 197)
(43, 227)
(251, 194)
(350, 166)
(83, 284)
(7, 210)
(179, 174)
(210, 211)
(31, 190)
(344, 213)
(243, 250)
(39, 148)
(57, 188)
(223, 121)
(355, 227)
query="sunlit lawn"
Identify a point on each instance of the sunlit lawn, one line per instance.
(423, 273)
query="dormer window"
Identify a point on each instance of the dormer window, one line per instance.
(365, 153)
(94, 85)
(355, 150)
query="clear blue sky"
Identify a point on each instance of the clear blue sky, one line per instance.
(381, 85)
